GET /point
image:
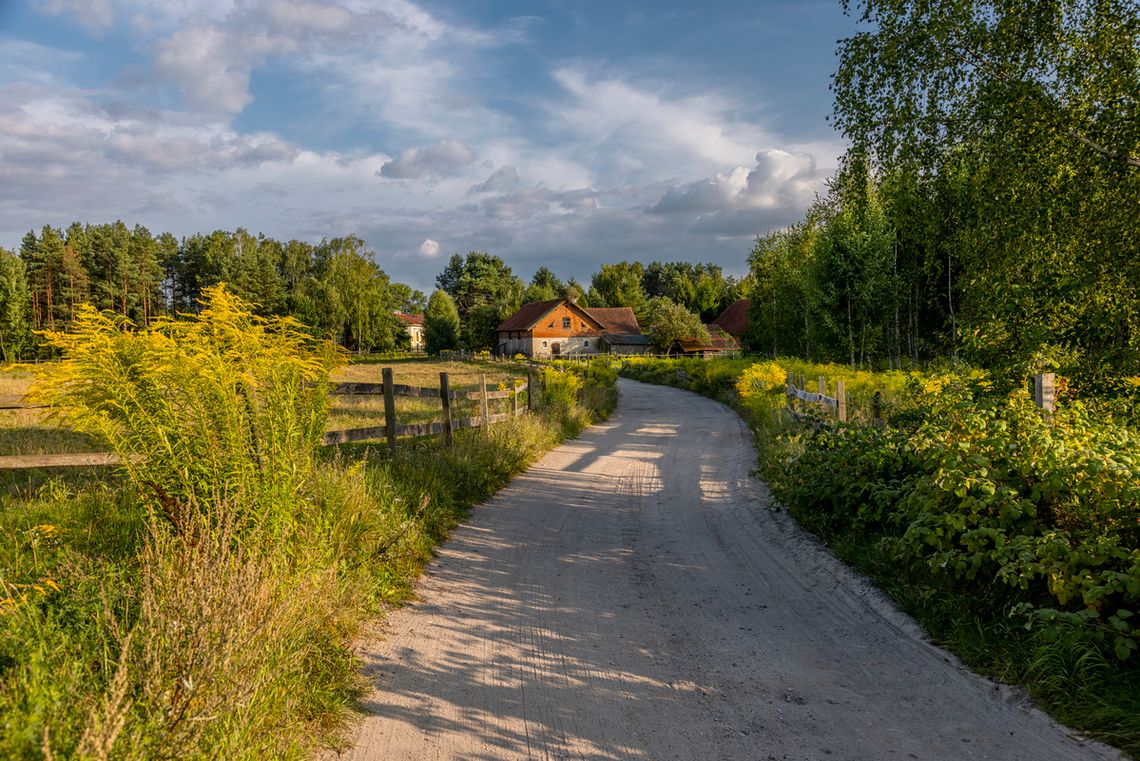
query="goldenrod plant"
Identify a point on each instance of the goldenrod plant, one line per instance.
(218, 408)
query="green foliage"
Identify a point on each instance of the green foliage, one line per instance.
(978, 485)
(15, 317)
(441, 324)
(670, 323)
(334, 286)
(544, 286)
(223, 408)
(486, 292)
(1005, 140)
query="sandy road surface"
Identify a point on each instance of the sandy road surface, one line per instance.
(634, 596)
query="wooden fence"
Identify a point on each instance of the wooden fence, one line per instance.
(390, 431)
(1044, 394)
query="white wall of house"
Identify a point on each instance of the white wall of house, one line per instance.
(576, 345)
(544, 347)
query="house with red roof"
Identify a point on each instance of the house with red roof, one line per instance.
(414, 324)
(560, 328)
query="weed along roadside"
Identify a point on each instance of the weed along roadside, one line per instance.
(1004, 521)
(199, 600)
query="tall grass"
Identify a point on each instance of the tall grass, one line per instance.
(211, 617)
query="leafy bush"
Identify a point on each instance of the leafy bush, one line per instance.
(981, 486)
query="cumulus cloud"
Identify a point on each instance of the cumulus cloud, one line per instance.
(429, 249)
(636, 130)
(212, 65)
(438, 160)
(777, 180)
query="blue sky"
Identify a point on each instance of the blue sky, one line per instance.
(556, 132)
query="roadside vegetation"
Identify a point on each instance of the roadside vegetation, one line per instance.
(1012, 537)
(200, 603)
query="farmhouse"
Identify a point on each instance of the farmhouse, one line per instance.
(559, 328)
(414, 324)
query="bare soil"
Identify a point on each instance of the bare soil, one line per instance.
(637, 595)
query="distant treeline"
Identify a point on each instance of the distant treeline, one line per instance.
(333, 286)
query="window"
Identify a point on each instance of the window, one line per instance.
(544, 344)
(566, 323)
(586, 343)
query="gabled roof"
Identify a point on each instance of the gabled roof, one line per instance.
(410, 319)
(719, 340)
(531, 314)
(734, 319)
(616, 319)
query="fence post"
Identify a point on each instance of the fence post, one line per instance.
(389, 408)
(788, 391)
(822, 384)
(515, 397)
(530, 391)
(1045, 392)
(841, 397)
(445, 398)
(876, 408)
(483, 399)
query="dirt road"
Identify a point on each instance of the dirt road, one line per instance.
(634, 595)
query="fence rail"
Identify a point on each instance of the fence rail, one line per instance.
(391, 430)
(1044, 395)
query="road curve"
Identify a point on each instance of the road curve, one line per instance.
(636, 595)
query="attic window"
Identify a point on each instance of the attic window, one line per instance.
(551, 325)
(566, 323)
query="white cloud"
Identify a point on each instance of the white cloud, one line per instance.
(93, 15)
(212, 65)
(638, 131)
(441, 159)
(303, 16)
(429, 249)
(777, 180)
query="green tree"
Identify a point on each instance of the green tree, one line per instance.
(619, 285)
(670, 322)
(544, 286)
(407, 299)
(15, 307)
(486, 292)
(1016, 125)
(441, 323)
